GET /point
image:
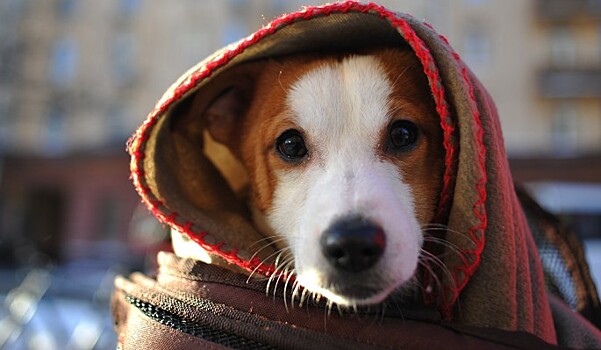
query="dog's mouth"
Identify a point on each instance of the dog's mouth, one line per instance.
(356, 292)
(352, 266)
(363, 289)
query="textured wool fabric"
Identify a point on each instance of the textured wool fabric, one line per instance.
(496, 281)
(193, 305)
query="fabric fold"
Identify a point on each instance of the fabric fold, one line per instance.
(493, 276)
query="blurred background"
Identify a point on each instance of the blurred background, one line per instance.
(78, 76)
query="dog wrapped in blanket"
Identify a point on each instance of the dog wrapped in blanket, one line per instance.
(341, 158)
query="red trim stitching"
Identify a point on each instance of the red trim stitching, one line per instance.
(137, 143)
(479, 208)
(447, 124)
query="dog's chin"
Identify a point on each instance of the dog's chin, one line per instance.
(348, 294)
(356, 296)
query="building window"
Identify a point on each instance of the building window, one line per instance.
(115, 124)
(477, 47)
(565, 127)
(197, 46)
(55, 131)
(239, 6)
(108, 218)
(599, 44)
(65, 8)
(63, 65)
(123, 53)
(587, 225)
(280, 6)
(128, 8)
(44, 221)
(436, 13)
(475, 2)
(6, 122)
(563, 47)
(233, 32)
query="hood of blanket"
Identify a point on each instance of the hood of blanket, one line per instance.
(492, 277)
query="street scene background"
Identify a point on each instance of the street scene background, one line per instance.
(78, 76)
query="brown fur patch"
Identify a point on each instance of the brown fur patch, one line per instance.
(268, 116)
(422, 166)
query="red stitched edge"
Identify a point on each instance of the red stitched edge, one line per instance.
(463, 273)
(137, 142)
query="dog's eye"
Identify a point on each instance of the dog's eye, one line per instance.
(403, 134)
(291, 145)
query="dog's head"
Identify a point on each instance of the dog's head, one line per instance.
(345, 162)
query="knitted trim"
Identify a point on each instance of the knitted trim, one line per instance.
(471, 257)
(242, 258)
(477, 232)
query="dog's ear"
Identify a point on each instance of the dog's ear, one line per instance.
(197, 177)
(203, 144)
(225, 114)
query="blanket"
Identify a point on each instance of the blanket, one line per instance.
(495, 281)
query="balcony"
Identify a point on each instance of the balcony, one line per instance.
(570, 83)
(568, 10)
(582, 169)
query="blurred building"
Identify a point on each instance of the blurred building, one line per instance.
(568, 94)
(65, 191)
(77, 77)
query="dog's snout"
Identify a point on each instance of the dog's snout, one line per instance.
(353, 244)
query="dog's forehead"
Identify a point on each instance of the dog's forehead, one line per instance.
(342, 98)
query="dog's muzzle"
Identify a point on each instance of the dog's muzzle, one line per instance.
(353, 244)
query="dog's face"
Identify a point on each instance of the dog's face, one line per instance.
(345, 161)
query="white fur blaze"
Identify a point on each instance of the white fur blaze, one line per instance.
(343, 109)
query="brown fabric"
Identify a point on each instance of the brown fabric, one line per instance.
(223, 300)
(183, 187)
(574, 329)
(137, 331)
(509, 272)
(566, 270)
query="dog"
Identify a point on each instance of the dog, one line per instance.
(345, 161)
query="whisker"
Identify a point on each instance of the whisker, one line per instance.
(261, 249)
(446, 229)
(269, 281)
(338, 307)
(444, 243)
(326, 314)
(317, 297)
(285, 273)
(303, 296)
(270, 238)
(276, 261)
(428, 257)
(329, 305)
(286, 287)
(280, 81)
(279, 275)
(440, 263)
(432, 273)
(400, 76)
(295, 290)
(253, 272)
(262, 262)
(276, 270)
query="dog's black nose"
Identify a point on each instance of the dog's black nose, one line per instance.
(353, 244)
